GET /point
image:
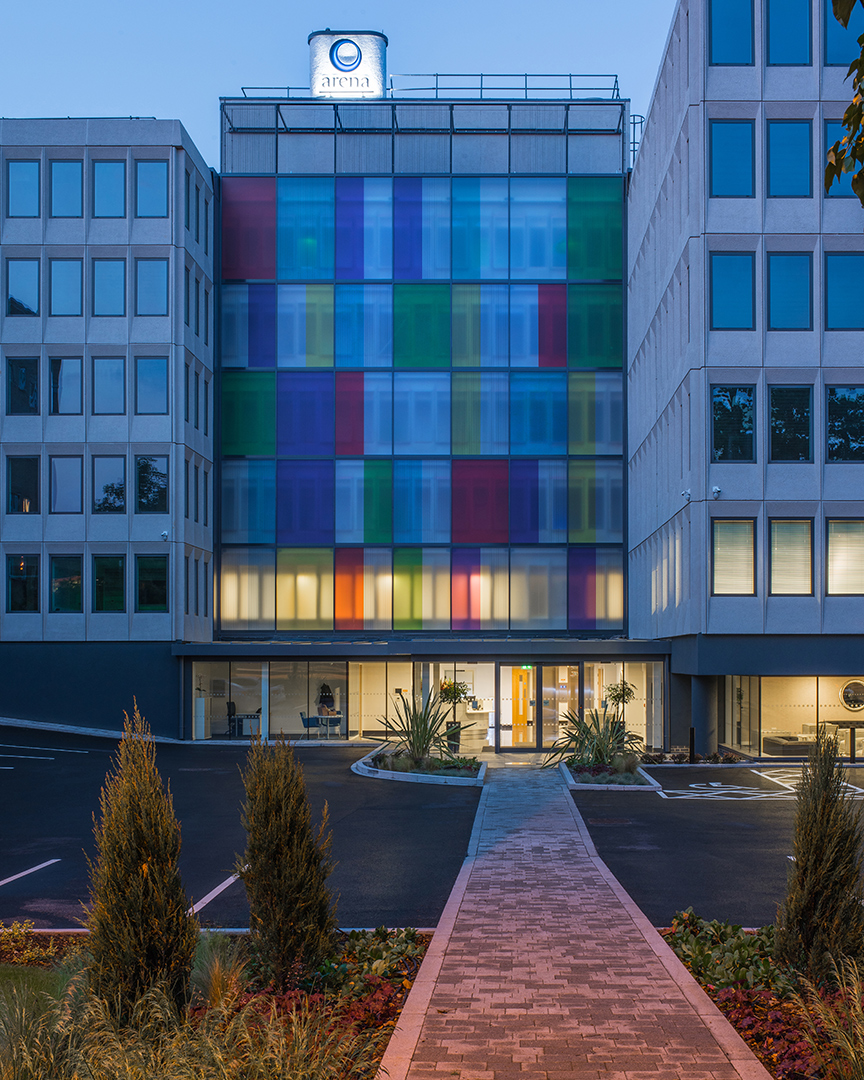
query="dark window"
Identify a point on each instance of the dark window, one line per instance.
(152, 583)
(151, 289)
(791, 423)
(845, 423)
(206, 227)
(195, 476)
(66, 286)
(790, 153)
(151, 189)
(844, 272)
(197, 214)
(186, 584)
(67, 189)
(186, 295)
(22, 582)
(109, 485)
(22, 386)
(22, 286)
(196, 586)
(151, 485)
(197, 306)
(206, 406)
(109, 386)
(23, 186)
(65, 397)
(206, 590)
(186, 489)
(841, 44)
(732, 144)
(109, 189)
(109, 580)
(109, 287)
(206, 499)
(732, 306)
(731, 32)
(186, 394)
(66, 495)
(842, 188)
(196, 403)
(788, 37)
(732, 410)
(206, 316)
(65, 593)
(151, 385)
(22, 485)
(790, 288)
(186, 200)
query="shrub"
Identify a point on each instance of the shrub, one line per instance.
(594, 739)
(420, 729)
(19, 945)
(838, 1021)
(822, 914)
(218, 970)
(285, 867)
(141, 934)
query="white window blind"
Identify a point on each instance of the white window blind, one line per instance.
(734, 558)
(846, 557)
(791, 558)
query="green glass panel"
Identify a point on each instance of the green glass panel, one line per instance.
(408, 589)
(466, 326)
(582, 502)
(421, 326)
(595, 326)
(595, 216)
(319, 326)
(465, 397)
(378, 502)
(249, 413)
(109, 574)
(582, 420)
(304, 589)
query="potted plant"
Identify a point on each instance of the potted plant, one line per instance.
(453, 693)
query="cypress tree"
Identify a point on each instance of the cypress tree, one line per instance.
(140, 932)
(286, 865)
(822, 916)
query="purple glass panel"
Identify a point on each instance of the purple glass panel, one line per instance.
(349, 228)
(305, 407)
(582, 589)
(524, 502)
(408, 228)
(262, 326)
(479, 490)
(464, 578)
(304, 502)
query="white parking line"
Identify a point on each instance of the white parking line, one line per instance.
(28, 757)
(56, 749)
(205, 900)
(32, 870)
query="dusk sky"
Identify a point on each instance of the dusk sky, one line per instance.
(175, 59)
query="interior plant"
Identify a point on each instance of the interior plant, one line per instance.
(417, 730)
(453, 693)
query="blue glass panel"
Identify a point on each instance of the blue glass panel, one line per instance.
(789, 290)
(248, 502)
(421, 413)
(843, 276)
(730, 32)
(305, 502)
(364, 325)
(788, 32)
(538, 228)
(789, 159)
(304, 228)
(305, 407)
(235, 326)
(421, 502)
(23, 190)
(842, 188)
(731, 291)
(731, 159)
(538, 413)
(841, 46)
(480, 228)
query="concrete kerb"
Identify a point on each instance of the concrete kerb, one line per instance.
(574, 785)
(363, 768)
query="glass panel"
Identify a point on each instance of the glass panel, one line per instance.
(538, 502)
(305, 502)
(538, 228)
(109, 485)
(368, 695)
(22, 297)
(152, 287)
(247, 580)
(842, 188)
(304, 589)
(538, 413)
(741, 713)
(305, 224)
(65, 593)
(421, 413)
(109, 385)
(248, 502)
(151, 384)
(480, 502)
(732, 408)
(364, 228)
(838, 697)
(480, 228)
(595, 326)
(304, 413)
(109, 287)
(364, 413)
(65, 286)
(23, 198)
(421, 326)
(480, 413)
(518, 706)
(109, 189)
(249, 414)
(421, 502)
(67, 475)
(364, 326)
(843, 308)
(596, 589)
(23, 485)
(328, 695)
(596, 502)
(538, 588)
(152, 572)
(845, 558)
(364, 502)
(248, 228)
(644, 714)
(235, 326)
(732, 292)
(788, 31)
(560, 697)
(789, 292)
(788, 716)
(289, 699)
(421, 228)
(730, 38)
(789, 159)
(480, 596)
(66, 189)
(22, 577)
(109, 580)
(734, 558)
(845, 423)
(731, 159)
(841, 44)
(363, 589)
(151, 485)
(480, 325)
(538, 326)
(791, 423)
(22, 386)
(421, 589)
(595, 223)
(791, 558)
(248, 691)
(151, 188)
(305, 326)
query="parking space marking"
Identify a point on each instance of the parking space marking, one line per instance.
(790, 778)
(32, 870)
(205, 900)
(28, 757)
(727, 793)
(56, 749)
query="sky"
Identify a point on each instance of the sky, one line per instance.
(173, 59)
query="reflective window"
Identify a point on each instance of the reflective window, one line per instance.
(421, 413)
(151, 485)
(66, 286)
(304, 229)
(109, 189)
(248, 502)
(732, 306)
(151, 188)
(845, 558)
(151, 287)
(364, 227)
(22, 286)
(790, 280)
(841, 44)
(421, 502)
(538, 228)
(151, 584)
(732, 151)
(364, 326)
(789, 154)
(22, 386)
(791, 423)
(730, 32)
(480, 228)
(151, 385)
(480, 325)
(67, 199)
(22, 583)
(842, 188)
(109, 484)
(64, 593)
(109, 385)
(23, 189)
(65, 389)
(421, 227)
(109, 580)
(538, 413)
(22, 485)
(791, 544)
(788, 34)
(845, 423)
(732, 414)
(109, 286)
(67, 483)
(734, 558)
(844, 272)
(421, 325)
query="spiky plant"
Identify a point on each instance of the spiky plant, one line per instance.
(595, 738)
(141, 933)
(285, 866)
(837, 1021)
(822, 915)
(419, 729)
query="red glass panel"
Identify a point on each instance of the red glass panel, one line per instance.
(480, 508)
(248, 228)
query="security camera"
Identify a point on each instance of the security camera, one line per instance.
(715, 491)
(685, 494)
(165, 536)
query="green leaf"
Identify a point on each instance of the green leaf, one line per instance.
(843, 10)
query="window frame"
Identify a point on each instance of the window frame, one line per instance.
(63, 359)
(24, 611)
(65, 457)
(828, 522)
(829, 459)
(727, 121)
(162, 412)
(753, 319)
(786, 461)
(827, 14)
(153, 161)
(8, 207)
(158, 611)
(769, 255)
(167, 311)
(10, 361)
(101, 610)
(733, 596)
(100, 457)
(65, 315)
(24, 457)
(93, 362)
(754, 412)
(767, 16)
(788, 121)
(137, 506)
(811, 522)
(827, 326)
(23, 314)
(68, 217)
(710, 21)
(98, 314)
(108, 217)
(52, 610)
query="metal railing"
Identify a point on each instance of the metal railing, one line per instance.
(637, 124)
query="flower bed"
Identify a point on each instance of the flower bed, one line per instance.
(429, 766)
(606, 774)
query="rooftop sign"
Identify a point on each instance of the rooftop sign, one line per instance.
(347, 64)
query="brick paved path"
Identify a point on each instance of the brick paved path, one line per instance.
(549, 971)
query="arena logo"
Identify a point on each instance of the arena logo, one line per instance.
(348, 63)
(345, 82)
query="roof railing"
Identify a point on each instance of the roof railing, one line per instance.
(481, 86)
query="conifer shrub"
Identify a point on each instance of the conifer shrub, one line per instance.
(141, 934)
(285, 868)
(822, 915)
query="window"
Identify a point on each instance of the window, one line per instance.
(732, 154)
(196, 474)
(196, 586)
(844, 272)
(109, 189)
(151, 189)
(65, 397)
(67, 200)
(788, 36)
(197, 214)
(186, 489)
(206, 316)
(791, 558)
(186, 393)
(206, 406)
(196, 403)
(186, 295)
(197, 306)
(66, 286)
(23, 189)
(109, 287)
(66, 487)
(151, 385)
(206, 501)
(22, 485)
(845, 423)
(151, 572)
(186, 584)
(151, 485)
(109, 485)
(22, 286)
(841, 46)
(789, 154)
(65, 591)
(790, 289)
(791, 423)
(151, 289)
(730, 32)
(732, 302)
(206, 252)
(845, 558)
(109, 386)
(842, 188)
(22, 583)
(538, 228)
(22, 386)
(206, 587)
(732, 412)
(109, 581)
(734, 563)
(186, 183)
